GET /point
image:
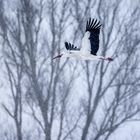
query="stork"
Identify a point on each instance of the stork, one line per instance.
(89, 44)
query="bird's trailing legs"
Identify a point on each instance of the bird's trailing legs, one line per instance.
(106, 58)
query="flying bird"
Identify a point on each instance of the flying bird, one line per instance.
(89, 44)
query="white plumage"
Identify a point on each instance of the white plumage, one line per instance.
(85, 45)
(89, 44)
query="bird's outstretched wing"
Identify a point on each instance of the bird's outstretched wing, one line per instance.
(93, 26)
(70, 46)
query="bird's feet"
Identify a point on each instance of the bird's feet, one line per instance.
(109, 59)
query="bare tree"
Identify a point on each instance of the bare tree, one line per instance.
(112, 88)
(43, 88)
(13, 58)
(47, 87)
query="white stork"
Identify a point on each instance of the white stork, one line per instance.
(89, 45)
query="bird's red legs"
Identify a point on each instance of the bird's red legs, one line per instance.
(108, 58)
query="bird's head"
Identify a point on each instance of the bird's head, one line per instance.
(87, 34)
(64, 55)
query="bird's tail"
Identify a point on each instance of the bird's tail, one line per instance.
(70, 46)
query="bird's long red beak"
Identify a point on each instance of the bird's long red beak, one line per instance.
(58, 56)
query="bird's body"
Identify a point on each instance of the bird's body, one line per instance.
(81, 56)
(85, 44)
(89, 44)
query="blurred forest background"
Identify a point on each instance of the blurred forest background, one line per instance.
(67, 99)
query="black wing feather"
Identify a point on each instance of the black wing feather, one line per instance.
(93, 26)
(70, 46)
